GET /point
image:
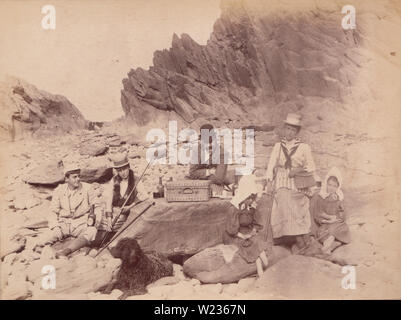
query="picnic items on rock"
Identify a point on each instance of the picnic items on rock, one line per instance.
(160, 190)
(188, 190)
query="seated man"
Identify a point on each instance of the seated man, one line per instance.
(69, 213)
(119, 191)
(216, 173)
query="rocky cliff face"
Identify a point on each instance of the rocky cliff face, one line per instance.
(28, 111)
(260, 59)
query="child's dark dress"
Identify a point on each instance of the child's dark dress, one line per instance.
(245, 221)
(329, 206)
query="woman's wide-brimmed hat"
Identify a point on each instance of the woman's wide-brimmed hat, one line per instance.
(293, 119)
(120, 160)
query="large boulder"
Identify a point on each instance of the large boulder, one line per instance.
(94, 171)
(51, 173)
(76, 276)
(47, 173)
(223, 264)
(92, 148)
(179, 228)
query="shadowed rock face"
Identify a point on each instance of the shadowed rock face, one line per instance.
(28, 111)
(255, 61)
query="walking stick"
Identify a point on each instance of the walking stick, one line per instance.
(126, 200)
(123, 229)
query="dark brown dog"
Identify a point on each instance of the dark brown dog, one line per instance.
(137, 268)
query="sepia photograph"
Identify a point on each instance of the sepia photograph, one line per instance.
(229, 150)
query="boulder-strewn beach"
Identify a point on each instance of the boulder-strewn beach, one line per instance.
(260, 63)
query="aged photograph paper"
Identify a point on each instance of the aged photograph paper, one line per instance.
(215, 149)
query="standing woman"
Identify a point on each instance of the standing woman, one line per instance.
(290, 175)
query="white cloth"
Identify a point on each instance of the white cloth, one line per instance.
(246, 186)
(228, 252)
(333, 172)
(123, 187)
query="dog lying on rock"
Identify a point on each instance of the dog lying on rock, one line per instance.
(137, 268)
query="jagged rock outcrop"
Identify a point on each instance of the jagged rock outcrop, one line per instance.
(257, 61)
(27, 111)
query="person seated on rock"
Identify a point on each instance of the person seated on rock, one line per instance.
(117, 192)
(216, 173)
(69, 213)
(248, 224)
(328, 213)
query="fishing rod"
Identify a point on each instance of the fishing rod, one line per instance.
(123, 229)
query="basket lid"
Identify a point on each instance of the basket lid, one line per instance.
(188, 183)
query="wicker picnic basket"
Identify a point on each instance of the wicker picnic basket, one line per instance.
(188, 190)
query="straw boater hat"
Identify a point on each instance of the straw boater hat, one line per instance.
(120, 160)
(71, 168)
(293, 119)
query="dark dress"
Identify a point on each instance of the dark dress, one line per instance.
(329, 206)
(198, 171)
(245, 221)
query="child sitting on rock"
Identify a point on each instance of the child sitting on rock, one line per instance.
(248, 226)
(328, 213)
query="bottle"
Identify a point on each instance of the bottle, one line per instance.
(235, 185)
(92, 217)
(160, 188)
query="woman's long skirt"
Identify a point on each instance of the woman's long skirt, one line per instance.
(290, 213)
